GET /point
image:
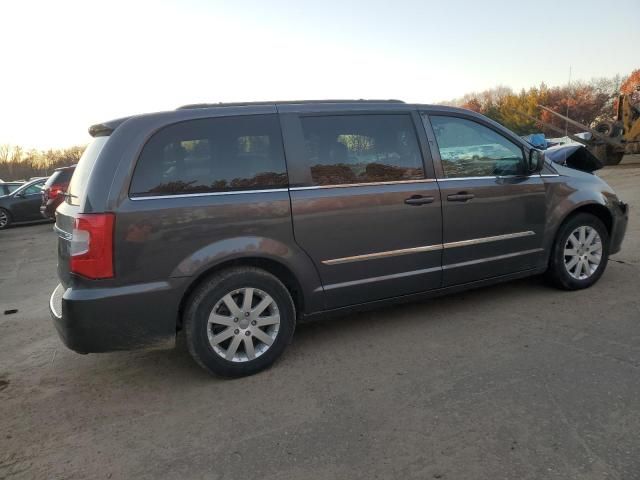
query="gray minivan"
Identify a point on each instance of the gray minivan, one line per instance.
(233, 222)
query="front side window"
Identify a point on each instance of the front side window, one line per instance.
(469, 149)
(345, 149)
(212, 155)
(33, 189)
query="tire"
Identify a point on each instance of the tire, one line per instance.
(210, 343)
(5, 218)
(614, 158)
(605, 128)
(561, 272)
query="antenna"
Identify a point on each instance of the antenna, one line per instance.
(566, 122)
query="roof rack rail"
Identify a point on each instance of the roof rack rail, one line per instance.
(286, 102)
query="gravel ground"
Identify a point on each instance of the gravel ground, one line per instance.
(516, 381)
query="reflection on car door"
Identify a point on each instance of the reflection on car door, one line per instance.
(363, 208)
(493, 212)
(28, 207)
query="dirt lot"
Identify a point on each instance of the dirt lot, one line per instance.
(515, 381)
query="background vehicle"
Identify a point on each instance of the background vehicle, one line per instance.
(608, 140)
(53, 190)
(22, 205)
(7, 187)
(233, 222)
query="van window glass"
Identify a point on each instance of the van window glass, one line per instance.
(212, 155)
(345, 149)
(469, 149)
(80, 176)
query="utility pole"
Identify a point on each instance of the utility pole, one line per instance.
(566, 123)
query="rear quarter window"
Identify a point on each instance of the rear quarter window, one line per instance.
(212, 155)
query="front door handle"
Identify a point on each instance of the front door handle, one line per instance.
(460, 197)
(419, 200)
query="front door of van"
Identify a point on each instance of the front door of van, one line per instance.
(364, 209)
(493, 212)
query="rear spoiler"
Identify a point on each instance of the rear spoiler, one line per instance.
(106, 128)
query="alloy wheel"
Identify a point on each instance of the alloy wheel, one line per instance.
(243, 324)
(4, 219)
(583, 252)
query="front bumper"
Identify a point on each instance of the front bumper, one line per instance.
(619, 227)
(121, 318)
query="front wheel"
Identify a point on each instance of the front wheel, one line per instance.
(239, 321)
(580, 253)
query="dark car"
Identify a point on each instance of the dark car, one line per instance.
(54, 189)
(234, 222)
(7, 187)
(22, 205)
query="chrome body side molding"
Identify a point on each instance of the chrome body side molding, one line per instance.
(426, 248)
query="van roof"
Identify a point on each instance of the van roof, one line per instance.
(285, 102)
(106, 128)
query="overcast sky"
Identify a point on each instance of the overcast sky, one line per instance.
(67, 64)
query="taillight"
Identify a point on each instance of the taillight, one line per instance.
(92, 245)
(54, 190)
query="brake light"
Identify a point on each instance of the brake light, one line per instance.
(92, 245)
(54, 190)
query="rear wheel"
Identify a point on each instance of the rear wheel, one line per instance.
(239, 322)
(5, 218)
(580, 253)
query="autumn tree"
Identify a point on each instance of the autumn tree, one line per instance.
(585, 102)
(632, 81)
(18, 164)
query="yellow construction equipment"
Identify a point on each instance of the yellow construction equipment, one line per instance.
(612, 139)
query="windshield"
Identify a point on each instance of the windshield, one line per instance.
(83, 170)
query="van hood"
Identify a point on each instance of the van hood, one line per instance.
(574, 156)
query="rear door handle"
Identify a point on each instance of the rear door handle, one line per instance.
(419, 200)
(460, 197)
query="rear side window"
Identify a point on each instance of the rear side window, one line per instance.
(346, 149)
(212, 155)
(469, 149)
(33, 189)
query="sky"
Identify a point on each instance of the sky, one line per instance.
(65, 65)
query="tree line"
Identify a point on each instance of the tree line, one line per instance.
(585, 102)
(19, 164)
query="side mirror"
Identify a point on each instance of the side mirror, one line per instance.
(19, 195)
(536, 161)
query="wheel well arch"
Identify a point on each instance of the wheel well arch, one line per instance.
(275, 268)
(599, 211)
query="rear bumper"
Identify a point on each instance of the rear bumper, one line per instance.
(619, 226)
(48, 209)
(121, 318)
